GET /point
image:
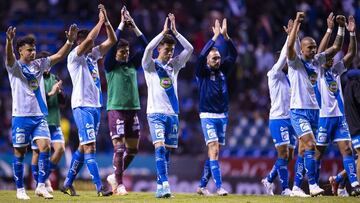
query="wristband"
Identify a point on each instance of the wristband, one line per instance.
(69, 43)
(107, 23)
(352, 34)
(121, 26)
(341, 31)
(329, 30)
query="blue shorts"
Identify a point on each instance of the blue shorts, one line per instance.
(304, 121)
(26, 129)
(87, 120)
(164, 128)
(56, 135)
(214, 129)
(332, 129)
(282, 132)
(356, 141)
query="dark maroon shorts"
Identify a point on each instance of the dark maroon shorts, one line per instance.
(123, 123)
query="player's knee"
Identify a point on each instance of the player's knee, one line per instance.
(346, 150)
(89, 148)
(60, 150)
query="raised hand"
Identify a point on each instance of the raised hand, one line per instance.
(102, 13)
(300, 16)
(351, 25)
(129, 21)
(289, 26)
(72, 33)
(223, 29)
(123, 10)
(172, 23)
(216, 29)
(10, 33)
(330, 20)
(165, 29)
(341, 20)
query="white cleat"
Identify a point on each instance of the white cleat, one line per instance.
(286, 192)
(121, 190)
(342, 192)
(298, 192)
(221, 192)
(203, 191)
(315, 190)
(21, 194)
(269, 187)
(41, 191)
(112, 181)
(48, 186)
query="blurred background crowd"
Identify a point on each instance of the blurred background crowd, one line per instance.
(255, 26)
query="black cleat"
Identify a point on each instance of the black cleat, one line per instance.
(69, 190)
(104, 192)
(355, 191)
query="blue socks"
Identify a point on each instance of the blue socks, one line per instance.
(93, 169)
(44, 166)
(167, 159)
(206, 174)
(161, 164)
(317, 170)
(215, 172)
(18, 170)
(350, 168)
(272, 175)
(310, 165)
(34, 171)
(281, 165)
(76, 164)
(299, 171)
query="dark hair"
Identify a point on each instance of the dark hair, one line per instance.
(168, 39)
(28, 39)
(43, 54)
(82, 34)
(122, 43)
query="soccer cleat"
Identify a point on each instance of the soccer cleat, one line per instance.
(159, 192)
(334, 185)
(121, 190)
(203, 191)
(355, 191)
(268, 186)
(315, 190)
(166, 193)
(286, 192)
(21, 194)
(69, 190)
(298, 192)
(41, 191)
(103, 192)
(48, 186)
(221, 192)
(112, 181)
(341, 192)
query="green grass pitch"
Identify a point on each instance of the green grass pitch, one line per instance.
(91, 196)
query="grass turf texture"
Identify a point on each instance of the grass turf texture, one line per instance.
(91, 196)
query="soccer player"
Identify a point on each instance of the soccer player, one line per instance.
(304, 107)
(332, 121)
(29, 108)
(162, 103)
(280, 126)
(211, 74)
(86, 100)
(54, 98)
(123, 101)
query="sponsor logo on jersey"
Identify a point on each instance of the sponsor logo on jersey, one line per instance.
(34, 84)
(88, 125)
(165, 82)
(333, 86)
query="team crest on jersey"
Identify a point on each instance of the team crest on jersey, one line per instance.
(165, 82)
(333, 86)
(94, 74)
(313, 78)
(34, 84)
